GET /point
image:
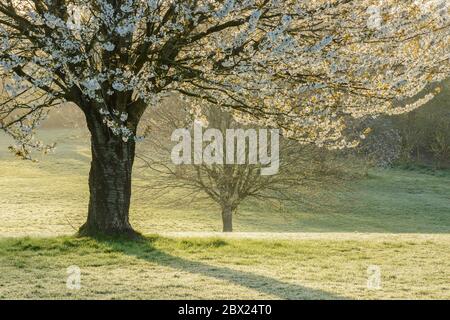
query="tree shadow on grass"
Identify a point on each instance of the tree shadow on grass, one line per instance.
(144, 249)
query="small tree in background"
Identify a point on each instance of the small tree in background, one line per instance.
(228, 185)
(305, 67)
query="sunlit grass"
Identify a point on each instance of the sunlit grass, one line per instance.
(224, 269)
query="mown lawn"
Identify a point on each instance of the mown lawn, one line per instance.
(213, 268)
(321, 247)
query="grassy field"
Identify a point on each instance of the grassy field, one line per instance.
(173, 268)
(396, 219)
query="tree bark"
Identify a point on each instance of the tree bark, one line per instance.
(109, 182)
(227, 219)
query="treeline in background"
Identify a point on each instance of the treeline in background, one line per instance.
(419, 138)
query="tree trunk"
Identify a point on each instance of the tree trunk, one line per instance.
(227, 219)
(109, 182)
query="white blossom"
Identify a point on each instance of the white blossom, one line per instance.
(308, 67)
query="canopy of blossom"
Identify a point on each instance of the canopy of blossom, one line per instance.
(303, 66)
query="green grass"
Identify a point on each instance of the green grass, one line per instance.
(192, 268)
(320, 247)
